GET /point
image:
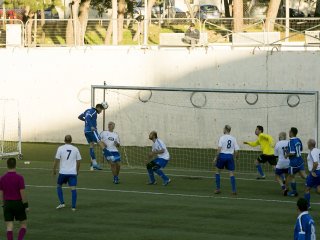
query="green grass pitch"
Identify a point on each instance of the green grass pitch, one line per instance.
(185, 209)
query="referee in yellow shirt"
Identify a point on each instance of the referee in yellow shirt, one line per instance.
(267, 146)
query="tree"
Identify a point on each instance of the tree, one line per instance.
(317, 11)
(238, 15)
(272, 14)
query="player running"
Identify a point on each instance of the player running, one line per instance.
(282, 166)
(159, 159)
(296, 161)
(90, 131)
(267, 146)
(112, 142)
(304, 228)
(69, 158)
(227, 149)
(14, 200)
(313, 179)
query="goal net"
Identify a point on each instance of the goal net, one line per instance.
(190, 121)
(10, 129)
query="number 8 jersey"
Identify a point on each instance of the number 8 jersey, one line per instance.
(68, 156)
(228, 144)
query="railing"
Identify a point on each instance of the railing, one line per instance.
(255, 32)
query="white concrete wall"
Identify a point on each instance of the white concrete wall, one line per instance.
(53, 88)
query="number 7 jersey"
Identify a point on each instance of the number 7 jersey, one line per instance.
(68, 156)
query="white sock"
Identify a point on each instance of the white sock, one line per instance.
(94, 162)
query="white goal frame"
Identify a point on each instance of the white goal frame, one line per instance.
(105, 87)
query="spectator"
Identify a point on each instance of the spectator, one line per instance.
(192, 35)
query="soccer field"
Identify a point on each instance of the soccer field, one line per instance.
(185, 209)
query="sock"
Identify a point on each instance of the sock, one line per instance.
(294, 186)
(94, 162)
(9, 235)
(151, 176)
(92, 155)
(217, 180)
(307, 197)
(283, 187)
(74, 198)
(162, 175)
(22, 232)
(60, 195)
(260, 171)
(233, 183)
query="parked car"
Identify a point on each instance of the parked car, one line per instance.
(179, 13)
(259, 10)
(293, 13)
(208, 12)
(138, 10)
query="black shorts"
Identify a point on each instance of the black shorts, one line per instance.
(271, 159)
(14, 210)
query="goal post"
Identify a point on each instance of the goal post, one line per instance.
(10, 129)
(190, 120)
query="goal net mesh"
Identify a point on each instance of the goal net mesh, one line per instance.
(191, 122)
(10, 137)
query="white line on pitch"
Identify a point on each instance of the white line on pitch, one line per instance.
(174, 194)
(174, 175)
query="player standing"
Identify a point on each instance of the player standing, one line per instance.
(313, 179)
(159, 159)
(69, 158)
(304, 228)
(14, 200)
(296, 162)
(90, 131)
(266, 143)
(282, 166)
(227, 149)
(112, 142)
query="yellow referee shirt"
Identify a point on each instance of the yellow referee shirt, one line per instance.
(266, 143)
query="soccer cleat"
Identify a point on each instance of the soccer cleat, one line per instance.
(152, 183)
(73, 209)
(261, 177)
(96, 167)
(217, 191)
(167, 182)
(61, 206)
(116, 181)
(285, 192)
(292, 194)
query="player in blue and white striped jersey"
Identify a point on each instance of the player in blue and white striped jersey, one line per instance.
(159, 157)
(296, 162)
(313, 179)
(282, 166)
(305, 227)
(90, 131)
(227, 148)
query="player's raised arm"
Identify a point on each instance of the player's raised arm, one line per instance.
(252, 144)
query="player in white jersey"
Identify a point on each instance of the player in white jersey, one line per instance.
(69, 158)
(227, 148)
(313, 179)
(112, 141)
(282, 167)
(159, 157)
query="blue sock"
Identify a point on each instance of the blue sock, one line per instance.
(151, 176)
(233, 184)
(294, 186)
(162, 175)
(307, 197)
(217, 181)
(92, 155)
(74, 198)
(60, 194)
(260, 171)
